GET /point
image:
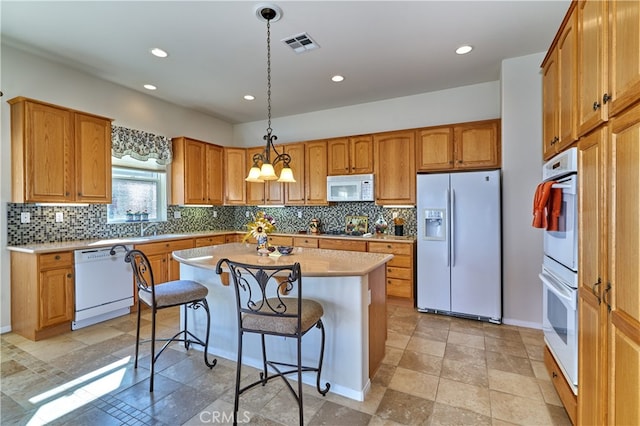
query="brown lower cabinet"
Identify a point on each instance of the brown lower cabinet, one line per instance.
(338, 244)
(165, 267)
(569, 400)
(42, 288)
(305, 242)
(400, 270)
(210, 241)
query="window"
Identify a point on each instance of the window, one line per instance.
(137, 190)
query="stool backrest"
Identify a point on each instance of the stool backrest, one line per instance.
(142, 272)
(260, 289)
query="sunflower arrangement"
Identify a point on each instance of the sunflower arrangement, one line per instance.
(261, 225)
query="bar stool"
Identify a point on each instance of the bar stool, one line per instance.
(186, 293)
(263, 308)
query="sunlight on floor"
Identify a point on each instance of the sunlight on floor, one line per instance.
(84, 390)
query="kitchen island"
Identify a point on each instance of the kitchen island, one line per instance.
(349, 285)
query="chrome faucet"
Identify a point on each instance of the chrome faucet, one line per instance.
(144, 229)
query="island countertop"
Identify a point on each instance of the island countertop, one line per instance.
(350, 286)
(313, 262)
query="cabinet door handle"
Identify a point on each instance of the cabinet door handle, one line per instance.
(57, 257)
(606, 98)
(596, 290)
(69, 275)
(596, 105)
(554, 374)
(605, 296)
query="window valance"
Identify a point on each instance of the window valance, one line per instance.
(140, 145)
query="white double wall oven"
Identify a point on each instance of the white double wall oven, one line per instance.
(559, 274)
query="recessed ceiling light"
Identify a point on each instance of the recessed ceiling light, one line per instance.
(156, 51)
(150, 87)
(464, 49)
(249, 97)
(337, 78)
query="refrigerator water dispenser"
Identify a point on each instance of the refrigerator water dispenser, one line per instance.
(435, 225)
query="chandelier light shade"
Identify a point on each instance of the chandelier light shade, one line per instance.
(263, 165)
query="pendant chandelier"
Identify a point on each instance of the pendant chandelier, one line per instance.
(263, 165)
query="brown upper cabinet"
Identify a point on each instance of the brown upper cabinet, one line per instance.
(474, 145)
(316, 164)
(268, 192)
(234, 174)
(434, 148)
(255, 191)
(196, 172)
(608, 60)
(350, 155)
(59, 155)
(309, 164)
(560, 89)
(395, 167)
(592, 65)
(294, 193)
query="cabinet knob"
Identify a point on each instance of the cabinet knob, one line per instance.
(388, 246)
(69, 275)
(57, 257)
(606, 98)
(66, 194)
(554, 374)
(596, 105)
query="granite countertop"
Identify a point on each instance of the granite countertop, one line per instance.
(106, 242)
(314, 262)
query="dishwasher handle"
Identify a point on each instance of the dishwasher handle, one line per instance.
(93, 255)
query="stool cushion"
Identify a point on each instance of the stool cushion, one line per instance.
(311, 313)
(175, 293)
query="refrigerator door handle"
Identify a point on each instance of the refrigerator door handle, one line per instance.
(447, 218)
(452, 225)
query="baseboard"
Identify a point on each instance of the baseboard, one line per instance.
(519, 323)
(5, 329)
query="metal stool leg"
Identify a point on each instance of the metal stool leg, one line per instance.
(324, 391)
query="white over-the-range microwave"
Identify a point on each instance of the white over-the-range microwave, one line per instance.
(350, 188)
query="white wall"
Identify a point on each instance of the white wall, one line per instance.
(521, 171)
(26, 75)
(468, 103)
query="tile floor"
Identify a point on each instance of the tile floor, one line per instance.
(438, 370)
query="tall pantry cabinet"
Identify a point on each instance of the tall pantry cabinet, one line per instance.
(609, 212)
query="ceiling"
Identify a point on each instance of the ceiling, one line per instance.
(217, 49)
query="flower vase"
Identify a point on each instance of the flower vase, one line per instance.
(262, 244)
(381, 225)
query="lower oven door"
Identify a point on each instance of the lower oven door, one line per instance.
(559, 323)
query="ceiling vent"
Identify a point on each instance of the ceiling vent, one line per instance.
(301, 43)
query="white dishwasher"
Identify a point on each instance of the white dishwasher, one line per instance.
(104, 286)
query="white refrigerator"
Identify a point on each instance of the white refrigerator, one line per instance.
(460, 244)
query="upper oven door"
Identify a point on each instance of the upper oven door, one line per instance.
(562, 245)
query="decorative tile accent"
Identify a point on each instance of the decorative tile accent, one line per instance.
(87, 222)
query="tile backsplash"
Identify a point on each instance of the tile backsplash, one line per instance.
(88, 222)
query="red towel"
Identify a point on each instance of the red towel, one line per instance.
(547, 205)
(554, 207)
